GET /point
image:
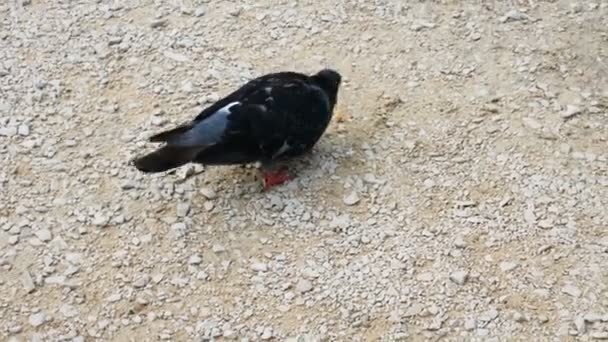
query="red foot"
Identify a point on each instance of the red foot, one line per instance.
(275, 178)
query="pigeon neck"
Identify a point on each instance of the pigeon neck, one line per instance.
(329, 90)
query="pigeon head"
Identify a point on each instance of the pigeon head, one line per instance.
(329, 80)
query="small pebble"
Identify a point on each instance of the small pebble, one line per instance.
(44, 235)
(267, 334)
(519, 317)
(24, 130)
(572, 290)
(351, 199)
(37, 319)
(208, 205)
(304, 286)
(532, 123)
(15, 328)
(100, 220)
(579, 323)
(259, 267)
(594, 317)
(429, 183)
(470, 324)
(571, 111)
(182, 209)
(235, 11)
(459, 242)
(68, 311)
(420, 25)
(217, 248)
(8, 131)
(141, 281)
(599, 335)
(27, 282)
(483, 332)
(508, 266)
(545, 224)
(199, 12)
(513, 15)
(158, 23)
(208, 193)
(459, 277)
(195, 260)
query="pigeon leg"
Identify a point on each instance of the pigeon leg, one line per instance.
(274, 176)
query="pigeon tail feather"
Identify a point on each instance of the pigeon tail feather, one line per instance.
(170, 134)
(166, 158)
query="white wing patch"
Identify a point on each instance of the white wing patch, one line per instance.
(208, 131)
(226, 109)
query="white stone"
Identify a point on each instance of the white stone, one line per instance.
(459, 242)
(199, 12)
(304, 286)
(113, 298)
(100, 220)
(571, 111)
(217, 248)
(182, 209)
(68, 311)
(44, 235)
(507, 266)
(141, 281)
(267, 334)
(351, 199)
(8, 131)
(208, 193)
(519, 317)
(470, 324)
(259, 267)
(195, 259)
(27, 282)
(532, 123)
(23, 130)
(459, 277)
(37, 319)
(599, 335)
(571, 290)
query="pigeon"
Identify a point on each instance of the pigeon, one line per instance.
(267, 121)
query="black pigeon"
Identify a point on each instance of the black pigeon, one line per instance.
(271, 118)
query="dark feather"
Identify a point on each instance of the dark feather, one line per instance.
(275, 116)
(164, 159)
(172, 133)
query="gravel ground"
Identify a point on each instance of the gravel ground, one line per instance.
(460, 193)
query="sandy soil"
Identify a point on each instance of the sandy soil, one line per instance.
(460, 193)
